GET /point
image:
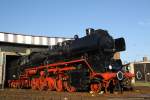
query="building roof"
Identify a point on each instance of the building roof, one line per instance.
(30, 39)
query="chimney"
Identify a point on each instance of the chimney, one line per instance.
(145, 59)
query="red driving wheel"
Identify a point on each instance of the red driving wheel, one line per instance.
(95, 87)
(35, 83)
(50, 83)
(68, 87)
(43, 85)
(58, 85)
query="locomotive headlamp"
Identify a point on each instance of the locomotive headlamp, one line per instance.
(119, 75)
(14, 76)
(110, 67)
(127, 68)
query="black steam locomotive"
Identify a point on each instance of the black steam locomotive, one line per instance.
(97, 49)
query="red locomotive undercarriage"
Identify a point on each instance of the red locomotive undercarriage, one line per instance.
(60, 79)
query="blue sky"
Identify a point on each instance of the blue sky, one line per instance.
(122, 18)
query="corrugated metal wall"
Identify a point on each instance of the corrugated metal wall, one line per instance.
(27, 39)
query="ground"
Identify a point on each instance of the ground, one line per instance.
(139, 93)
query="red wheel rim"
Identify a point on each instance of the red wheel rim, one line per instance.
(50, 86)
(58, 85)
(35, 84)
(71, 89)
(95, 87)
(42, 84)
(68, 87)
(50, 83)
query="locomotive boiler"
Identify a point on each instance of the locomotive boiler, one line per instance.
(80, 64)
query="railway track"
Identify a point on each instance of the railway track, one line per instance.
(24, 94)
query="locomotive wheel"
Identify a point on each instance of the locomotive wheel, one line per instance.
(95, 87)
(50, 83)
(42, 87)
(42, 84)
(26, 84)
(17, 84)
(59, 85)
(35, 84)
(118, 87)
(68, 87)
(127, 84)
(21, 85)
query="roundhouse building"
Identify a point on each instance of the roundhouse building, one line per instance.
(141, 69)
(13, 45)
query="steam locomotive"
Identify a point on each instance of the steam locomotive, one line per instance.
(80, 64)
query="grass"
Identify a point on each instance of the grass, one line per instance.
(142, 84)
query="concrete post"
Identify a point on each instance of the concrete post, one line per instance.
(145, 75)
(28, 51)
(3, 70)
(1, 67)
(132, 71)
